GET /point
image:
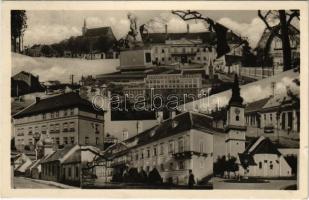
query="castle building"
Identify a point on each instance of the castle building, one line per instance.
(66, 118)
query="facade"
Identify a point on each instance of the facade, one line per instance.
(279, 113)
(66, 119)
(185, 48)
(172, 147)
(176, 82)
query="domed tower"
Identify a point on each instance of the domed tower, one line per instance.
(235, 127)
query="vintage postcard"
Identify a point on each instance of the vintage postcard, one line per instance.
(155, 99)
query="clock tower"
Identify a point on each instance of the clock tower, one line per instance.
(235, 127)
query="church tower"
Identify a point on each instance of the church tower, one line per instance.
(235, 127)
(84, 29)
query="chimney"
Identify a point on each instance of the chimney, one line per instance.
(165, 28)
(188, 28)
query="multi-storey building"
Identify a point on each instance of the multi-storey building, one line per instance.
(189, 47)
(66, 118)
(172, 147)
(175, 82)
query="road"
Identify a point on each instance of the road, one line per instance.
(270, 185)
(26, 183)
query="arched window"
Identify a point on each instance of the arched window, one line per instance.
(237, 117)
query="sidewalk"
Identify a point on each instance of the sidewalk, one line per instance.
(52, 183)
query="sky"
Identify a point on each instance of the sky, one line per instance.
(47, 27)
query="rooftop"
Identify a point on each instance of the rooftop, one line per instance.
(66, 100)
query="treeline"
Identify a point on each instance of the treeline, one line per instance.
(76, 45)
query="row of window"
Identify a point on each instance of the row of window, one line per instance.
(183, 50)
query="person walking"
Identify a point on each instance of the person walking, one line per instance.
(191, 181)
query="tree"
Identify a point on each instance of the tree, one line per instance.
(154, 177)
(281, 30)
(46, 50)
(18, 27)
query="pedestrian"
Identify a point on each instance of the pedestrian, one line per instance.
(191, 181)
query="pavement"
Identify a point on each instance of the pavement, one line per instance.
(220, 183)
(26, 183)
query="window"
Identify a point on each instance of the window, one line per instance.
(97, 140)
(52, 115)
(136, 156)
(72, 126)
(86, 140)
(43, 128)
(148, 153)
(57, 114)
(162, 167)
(162, 50)
(30, 131)
(271, 166)
(76, 172)
(271, 117)
(30, 141)
(155, 151)
(44, 116)
(65, 140)
(171, 166)
(65, 113)
(237, 118)
(72, 111)
(142, 154)
(57, 128)
(65, 127)
(260, 165)
(57, 140)
(171, 147)
(97, 128)
(181, 145)
(51, 126)
(148, 57)
(181, 165)
(69, 171)
(72, 140)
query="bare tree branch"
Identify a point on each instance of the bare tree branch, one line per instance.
(295, 13)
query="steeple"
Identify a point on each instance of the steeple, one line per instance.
(84, 29)
(236, 99)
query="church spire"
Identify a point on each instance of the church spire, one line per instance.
(84, 29)
(236, 99)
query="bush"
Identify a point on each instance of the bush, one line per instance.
(154, 177)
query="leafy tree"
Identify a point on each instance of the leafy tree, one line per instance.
(154, 177)
(46, 50)
(281, 30)
(18, 27)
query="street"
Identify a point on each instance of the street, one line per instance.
(26, 183)
(220, 183)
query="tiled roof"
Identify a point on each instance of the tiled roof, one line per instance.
(262, 145)
(57, 155)
(256, 105)
(93, 32)
(259, 145)
(67, 100)
(206, 37)
(180, 123)
(73, 158)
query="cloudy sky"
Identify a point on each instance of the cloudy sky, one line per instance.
(47, 27)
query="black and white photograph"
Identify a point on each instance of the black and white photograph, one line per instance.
(181, 99)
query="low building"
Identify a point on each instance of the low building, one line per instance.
(262, 159)
(24, 83)
(66, 118)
